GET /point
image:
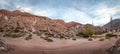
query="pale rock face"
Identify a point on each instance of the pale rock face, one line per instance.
(6, 18)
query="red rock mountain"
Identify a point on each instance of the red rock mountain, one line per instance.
(60, 21)
(17, 23)
(22, 23)
(69, 24)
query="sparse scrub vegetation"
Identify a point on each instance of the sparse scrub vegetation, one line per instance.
(17, 29)
(98, 32)
(101, 39)
(11, 35)
(48, 39)
(1, 29)
(62, 37)
(30, 30)
(88, 33)
(43, 30)
(73, 38)
(90, 39)
(28, 37)
(80, 34)
(108, 36)
(7, 35)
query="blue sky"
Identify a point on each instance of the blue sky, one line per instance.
(82, 11)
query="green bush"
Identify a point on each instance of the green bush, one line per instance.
(11, 35)
(15, 36)
(16, 30)
(90, 39)
(88, 33)
(48, 39)
(30, 30)
(28, 37)
(80, 34)
(102, 39)
(108, 36)
(18, 27)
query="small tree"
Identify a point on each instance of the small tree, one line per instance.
(88, 32)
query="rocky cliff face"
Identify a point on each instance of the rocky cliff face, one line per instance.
(77, 28)
(22, 23)
(17, 24)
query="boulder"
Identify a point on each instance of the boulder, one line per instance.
(3, 46)
(115, 49)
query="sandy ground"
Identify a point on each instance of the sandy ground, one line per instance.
(39, 46)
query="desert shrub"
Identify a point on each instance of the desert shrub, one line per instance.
(88, 33)
(48, 39)
(30, 30)
(110, 35)
(62, 37)
(73, 38)
(80, 34)
(18, 27)
(28, 37)
(101, 39)
(98, 32)
(90, 39)
(15, 36)
(7, 35)
(11, 35)
(49, 35)
(1, 30)
(43, 30)
(16, 30)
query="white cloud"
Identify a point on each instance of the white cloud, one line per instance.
(107, 11)
(35, 11)
(47, 12)
(103, 14)
(71, 14)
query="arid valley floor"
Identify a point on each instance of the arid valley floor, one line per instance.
(40, 46)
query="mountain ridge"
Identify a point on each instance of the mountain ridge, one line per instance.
(115, 24)
(19, 23)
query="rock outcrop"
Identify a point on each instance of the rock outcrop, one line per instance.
(115, 49)
(3, 46)
(19, 24)
(77, 28)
